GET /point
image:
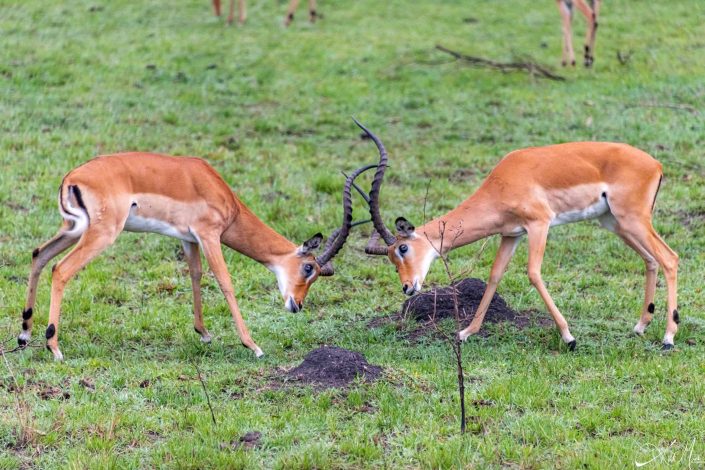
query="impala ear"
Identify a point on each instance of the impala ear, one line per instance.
(405, 229)
(311, 244)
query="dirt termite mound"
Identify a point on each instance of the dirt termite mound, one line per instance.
(331, 366)
(433, 306)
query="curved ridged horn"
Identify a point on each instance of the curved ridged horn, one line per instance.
(337, 239)
(373, 248)
(383, 231)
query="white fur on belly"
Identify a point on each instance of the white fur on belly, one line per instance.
(135, 223)
(590, 212)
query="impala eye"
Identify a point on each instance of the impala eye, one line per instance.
(308, 269)
(403, 249)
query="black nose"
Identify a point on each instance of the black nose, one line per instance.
(301, 305)
(405, 287)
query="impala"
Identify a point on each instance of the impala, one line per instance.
(529, 191)
(590, 12)
(183, 198)
(242, 11)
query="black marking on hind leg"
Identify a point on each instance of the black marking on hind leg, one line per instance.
(35, 253)
(676, 317)
(53, 268)
(25, 326)
(197, 331)
(290, 17)
(27, 313)
(51, 331)
(651, 308)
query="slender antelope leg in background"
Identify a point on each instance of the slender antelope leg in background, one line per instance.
(568, 54)
(312, 10)
(591, 18)
(290, 12)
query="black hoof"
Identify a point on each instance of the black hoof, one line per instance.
(571, 346)
(667, 347)
(21, 342)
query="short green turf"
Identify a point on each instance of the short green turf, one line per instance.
(270, 109)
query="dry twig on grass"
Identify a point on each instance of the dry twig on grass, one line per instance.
(534, 69)
(205, 390)
(675, 106)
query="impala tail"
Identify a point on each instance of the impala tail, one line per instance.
(73, 209)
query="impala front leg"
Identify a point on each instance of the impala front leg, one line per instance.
(193, 258)
(504, 254)
(312, 10)
(568, 54)
(214, 256)
(241, 11)
(537, 234)
(290, 12)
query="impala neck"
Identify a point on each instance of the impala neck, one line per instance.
(474, 219)
(255, 239)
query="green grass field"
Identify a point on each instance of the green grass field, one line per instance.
(270, 109)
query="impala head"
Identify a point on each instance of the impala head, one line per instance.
(297, 271)
(411, 253)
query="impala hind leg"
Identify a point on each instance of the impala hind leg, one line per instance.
(591, 18)
(40, 257)
(643, 234)
(504, 254)
(193, 258)
(647, 310)
(214, 256)
(93, 241)
(537, 234)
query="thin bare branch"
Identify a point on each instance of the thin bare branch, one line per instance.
(205, 390)
(533, 68)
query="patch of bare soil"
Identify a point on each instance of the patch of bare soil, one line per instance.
(437, 304)
(331, 366)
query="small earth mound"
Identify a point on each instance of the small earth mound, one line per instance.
(331, 366)
(437, 304)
